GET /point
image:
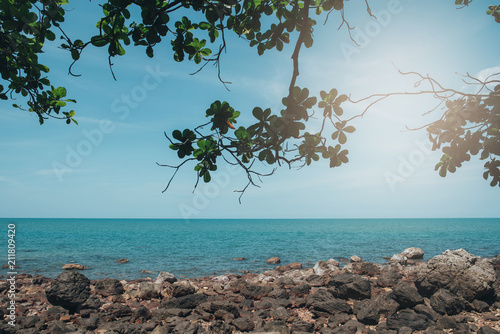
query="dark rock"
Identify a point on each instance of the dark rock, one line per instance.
(119, 310)
(302, 326)
(69, 290)
(279, 293)
(408, 318)
(427, 312)
(368, 312)
(243, 324)
(185, 302)
(462, 273)
(445, 302)
(109, 287)
(486, 330)
(389, 277)
(406, 295)
(39, 279)
(283, 281)
(29, 321)
(446, 322)
(59, 327)
(256, 291)
(323, 303)
(480, 306)
(365, 268)
(338, 319)
(300, 290)
(214, 306)
(122, 260)
(92, 303)
(405, 330)
(350, 286)
(276, 326)
(180, 290)
(315, 280)
(147, 291)
(186, 327)
(385, 304)
(279, 313)
(220, 327)
(141, 312)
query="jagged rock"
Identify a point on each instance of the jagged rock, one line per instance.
(486, 330)
(109, 287)
(220, 327)
(302, 326)
(355, 258)
(406, 295)
(407, 318)
(181, 289)
(243, 324)
(256, 291)
(445, 302)
(367, 312)
(69, 290)
(399, 259)
(462, 273)
(323, 303)
(365, 268)
(350, 286)
(389, 277)
(413, 253)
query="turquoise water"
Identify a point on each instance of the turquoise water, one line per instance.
(203, 247)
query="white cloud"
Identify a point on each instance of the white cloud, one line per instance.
(487, 72)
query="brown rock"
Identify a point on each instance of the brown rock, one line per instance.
(74, 266)
(122, 260)
(273, 260)
(295, 265)
(239, 259)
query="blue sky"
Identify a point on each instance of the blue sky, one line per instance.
(106, 166)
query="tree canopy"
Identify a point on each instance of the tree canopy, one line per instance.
(467, 125)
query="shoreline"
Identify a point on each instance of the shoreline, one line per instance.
(452, 291)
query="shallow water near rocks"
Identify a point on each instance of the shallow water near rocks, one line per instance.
(194, 248)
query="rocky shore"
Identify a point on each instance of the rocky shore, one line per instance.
(454, 292)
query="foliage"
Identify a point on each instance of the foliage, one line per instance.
(469, 124)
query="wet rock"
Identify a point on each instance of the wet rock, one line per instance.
(122, 260)
(69, 290)
(462, 273)
(273, 260)
(407, 318)
(74, 266)
(350, 286)
(445, 302)
(413, 253)
(323, 303)
(406, 295)
(109, 287)
(164, 276)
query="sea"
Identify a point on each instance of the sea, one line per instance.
(206, 247)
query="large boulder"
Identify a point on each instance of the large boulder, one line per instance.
(463, 274)
(445, 302)
(70, 290)
(350, 286)
(323, 303)
(406, 295)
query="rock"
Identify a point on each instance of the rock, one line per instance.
(413, 253)
(273, 260)
(315, 280)
(74, 266)
(365, 268)
(389, 277)
(486, 330)
(480, 306)
(70, 290)
(243, 324)
(302, 326)
(355, 258)
(446, 322)
(276, 327)
(185, 302)
(122, 260)
(350, 286)
(164, 276)
(220, 327)
(239, 259)
(295, 265)
(322, 267)
(186, 327)
(406, 295)
(368, 312)
(445, 302)
(407, 318)
(182, 289)
(323, 303)
(256, 291)
(462, 273)
(399, 259)
(119, 310)
(280, 313)
(109, 287)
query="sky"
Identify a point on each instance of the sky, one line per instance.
(107, 165)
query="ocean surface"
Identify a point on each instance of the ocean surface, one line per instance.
(198, 248)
